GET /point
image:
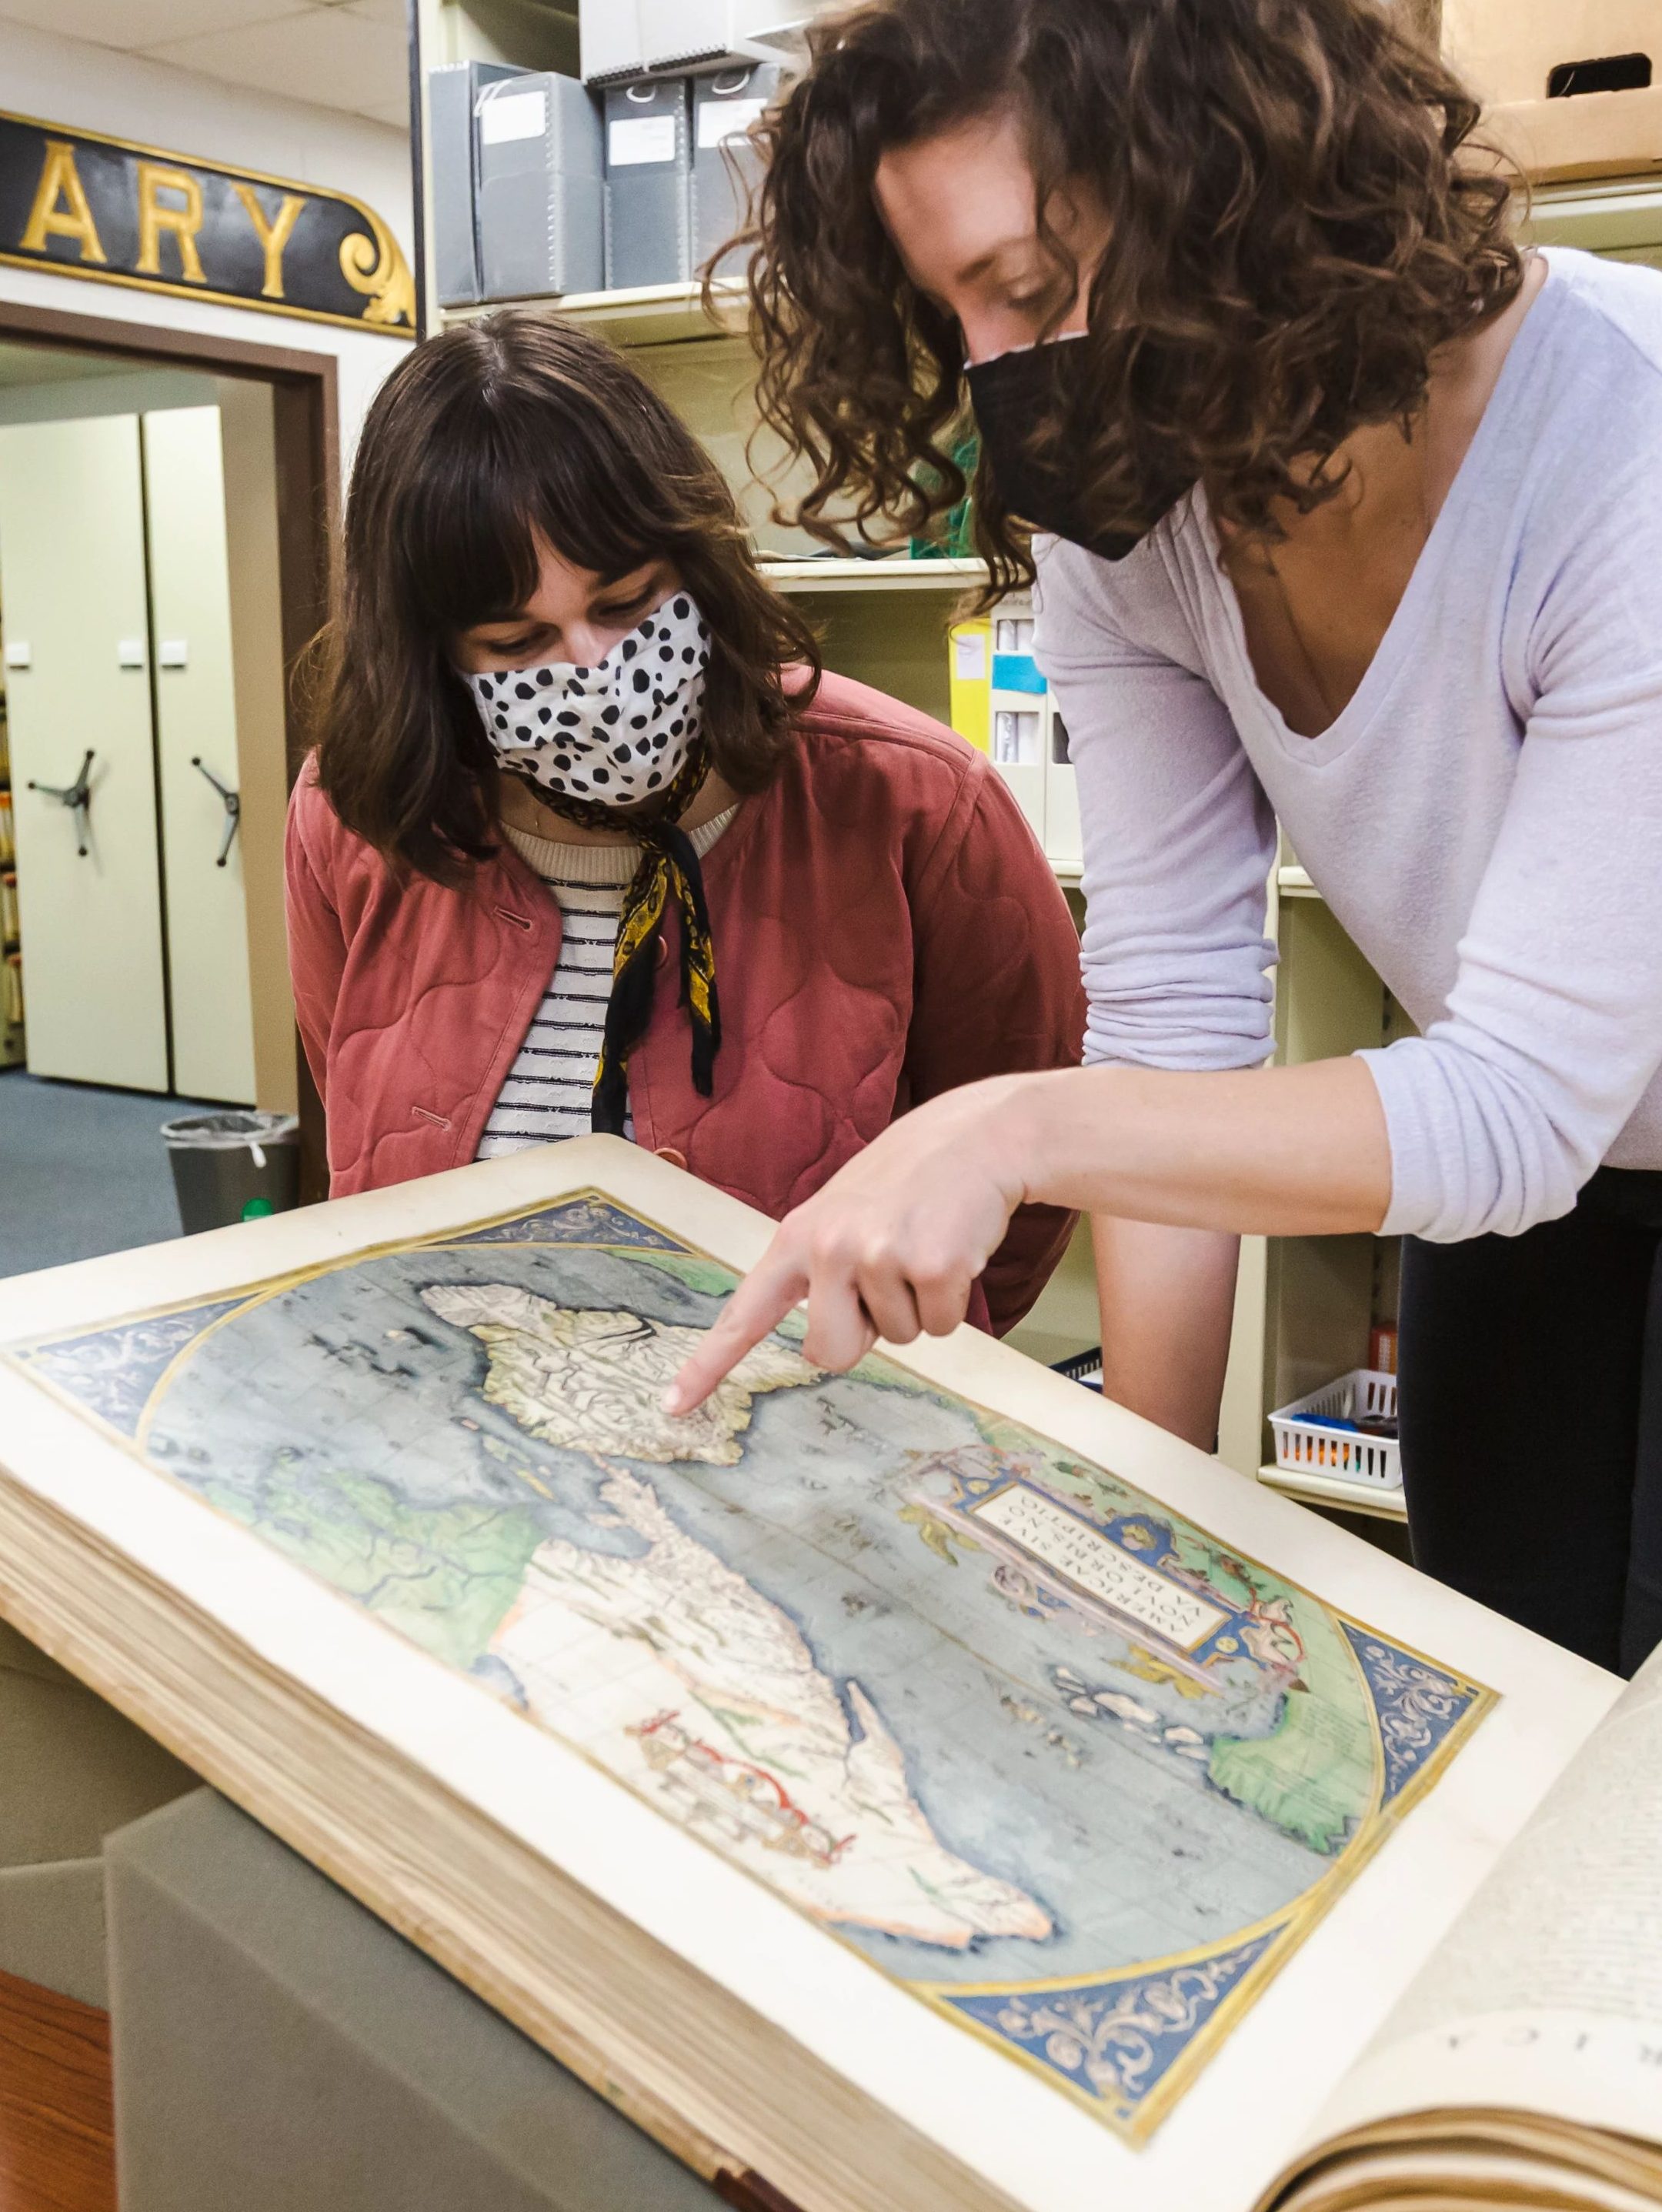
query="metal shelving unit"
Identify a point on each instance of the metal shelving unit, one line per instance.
(894, 573)
(1622, 218)
(647, 315)
(1328, 1490)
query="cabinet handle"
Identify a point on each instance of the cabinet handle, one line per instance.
(77, 797)
(232, 802)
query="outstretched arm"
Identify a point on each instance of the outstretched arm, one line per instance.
(892, 1244)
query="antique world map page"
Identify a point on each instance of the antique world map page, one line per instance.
(1072, 1771)
(1077, 1776)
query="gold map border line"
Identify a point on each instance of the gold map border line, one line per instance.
(1296, 1921)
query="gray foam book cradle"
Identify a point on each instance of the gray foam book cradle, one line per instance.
(74, 1770)
(278, 2048)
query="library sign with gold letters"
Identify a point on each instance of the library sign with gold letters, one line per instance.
(84, 206)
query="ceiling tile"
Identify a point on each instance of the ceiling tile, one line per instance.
(388, 12)
(330, 56)
(130, 25)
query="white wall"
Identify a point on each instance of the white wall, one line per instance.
(95, 88)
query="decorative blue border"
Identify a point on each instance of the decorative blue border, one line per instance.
(112, 1371)
(1117, 2040)
(1416, 1706)
(580, 1221)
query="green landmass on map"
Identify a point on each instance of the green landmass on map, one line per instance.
(1314, 1776)
(445, 1575)
(698, 1273)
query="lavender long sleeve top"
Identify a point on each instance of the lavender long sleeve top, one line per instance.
(1484, 818)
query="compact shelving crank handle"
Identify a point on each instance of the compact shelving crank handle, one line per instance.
(233, 804)
(77, 797)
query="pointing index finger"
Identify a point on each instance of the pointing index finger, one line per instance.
(759, 1305)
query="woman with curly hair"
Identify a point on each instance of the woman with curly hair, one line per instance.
(1347, 515)
(589, 843)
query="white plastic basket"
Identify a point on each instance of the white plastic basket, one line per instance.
(1375, 1461)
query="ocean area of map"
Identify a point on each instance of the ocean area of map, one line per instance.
(1057, 1761)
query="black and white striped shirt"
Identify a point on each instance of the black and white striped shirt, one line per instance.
(548, 1091)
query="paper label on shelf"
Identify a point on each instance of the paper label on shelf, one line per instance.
(721, 120)
(129, 652)
(970, 657)
(640, 138)
(513, 115)
(19, 655)
(173, 652)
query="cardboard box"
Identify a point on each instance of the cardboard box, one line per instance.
(1538, 65)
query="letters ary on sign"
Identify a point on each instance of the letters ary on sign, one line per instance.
(85, 205)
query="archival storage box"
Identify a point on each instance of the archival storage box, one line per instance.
(1570, 87)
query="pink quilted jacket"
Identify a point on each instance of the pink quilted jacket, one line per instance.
(886, 928)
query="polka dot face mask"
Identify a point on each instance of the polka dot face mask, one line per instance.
(613, 735)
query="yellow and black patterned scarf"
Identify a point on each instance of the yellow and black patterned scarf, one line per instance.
(669, 869)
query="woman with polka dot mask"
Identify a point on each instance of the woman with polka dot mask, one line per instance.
(616, 733)
(589, 842)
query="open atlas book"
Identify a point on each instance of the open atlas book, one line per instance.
(930, 1787)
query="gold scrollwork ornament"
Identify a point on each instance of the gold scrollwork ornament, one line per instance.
(377, 267)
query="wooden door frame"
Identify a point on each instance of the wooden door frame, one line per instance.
(306, 414)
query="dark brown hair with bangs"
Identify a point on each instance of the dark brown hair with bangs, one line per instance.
(501, 431)
(1296, 222)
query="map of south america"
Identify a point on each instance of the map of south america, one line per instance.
(714, 1699)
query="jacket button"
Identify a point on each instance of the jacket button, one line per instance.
(675, 1159)
(663, 950)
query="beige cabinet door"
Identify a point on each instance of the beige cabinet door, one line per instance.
(75, 615)
(197, 756)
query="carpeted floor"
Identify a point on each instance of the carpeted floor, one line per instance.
(81, 1171)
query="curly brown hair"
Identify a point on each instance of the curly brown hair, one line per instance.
(511, 428)
(1296, 223)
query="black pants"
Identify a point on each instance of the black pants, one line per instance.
(1531, 1404)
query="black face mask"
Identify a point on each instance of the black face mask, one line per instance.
(1013, 392)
